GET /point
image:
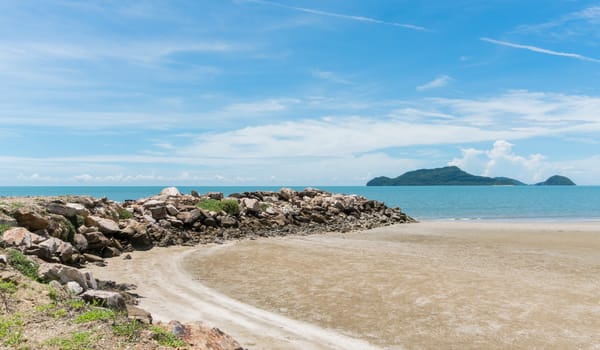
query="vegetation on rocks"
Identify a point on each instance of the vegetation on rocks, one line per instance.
(230, 206)
(23, 264)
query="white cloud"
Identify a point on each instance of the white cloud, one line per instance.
(339, 15)
(500, 160)
(438, 82)
(541, 50)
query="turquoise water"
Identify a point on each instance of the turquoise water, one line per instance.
(421, 202)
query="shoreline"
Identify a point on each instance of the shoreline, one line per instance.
(414, 241)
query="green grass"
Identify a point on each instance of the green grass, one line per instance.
(129, 329)
(96, 314)
(77, 341)
(8, 287)
(230, 206)
(4, 228)
(11, 331)
(125, 214)
(166, 338)
(22, 263)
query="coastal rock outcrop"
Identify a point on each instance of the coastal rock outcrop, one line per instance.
(74, 230)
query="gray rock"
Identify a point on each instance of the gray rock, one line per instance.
(92, 258)
(64, 274)
(111, 300)
(228, 221)
(80, 242)
(73, 288)
(171, 210)
(251, 204)
(215, 195)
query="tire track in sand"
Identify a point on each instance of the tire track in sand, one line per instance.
(169, 292)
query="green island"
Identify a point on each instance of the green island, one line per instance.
(454, 176)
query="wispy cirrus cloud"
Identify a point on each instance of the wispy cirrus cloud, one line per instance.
(340, 15)
(583, 22)
(540, 50)
(438, 82)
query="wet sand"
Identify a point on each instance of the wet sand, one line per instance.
(450, 285)
(428, 285)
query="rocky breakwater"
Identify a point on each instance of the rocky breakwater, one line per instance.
(74, 230)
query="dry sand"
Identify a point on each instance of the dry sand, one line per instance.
(419, 286)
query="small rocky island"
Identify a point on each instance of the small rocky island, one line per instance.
(454, 176)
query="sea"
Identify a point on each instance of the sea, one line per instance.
(485, 203)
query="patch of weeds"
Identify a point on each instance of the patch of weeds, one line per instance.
(96, 314)
(166, 338)
(77, 341)
(53, 293)
(11, 330)
(8, 287)
(4, 228)
(264, 206)
(76, 304)
(125, 214)
(59, 313)
(45, 307)
(129, 329)
(22, 263)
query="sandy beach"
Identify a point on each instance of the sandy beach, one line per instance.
(415, 286)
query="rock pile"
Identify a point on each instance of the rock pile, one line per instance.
(74, 229)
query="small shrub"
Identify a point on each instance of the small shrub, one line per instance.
(210, 205)
(22, 263)
(125, 214)
(166, 338)
(52, 293)
(231, 206)
(96, 314)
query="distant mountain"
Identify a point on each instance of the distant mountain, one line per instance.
(454, 176)
(446, 176)
(556, 180)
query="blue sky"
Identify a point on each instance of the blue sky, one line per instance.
(296, 92)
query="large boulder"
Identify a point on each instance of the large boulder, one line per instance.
(61, 209)
(31, 220)
(20, 237)
(111, 300)
(170, 191)
(64, 274)
(250, 204)
(96, 240)
(106, 226)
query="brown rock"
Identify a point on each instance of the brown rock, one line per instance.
(20, 237)
(31, 220)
